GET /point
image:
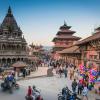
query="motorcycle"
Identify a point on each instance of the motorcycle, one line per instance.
(66, 94)
(36, 95)
(9, 85)
(33, 97)
(60, 96)
(73, 96)
(29, 97)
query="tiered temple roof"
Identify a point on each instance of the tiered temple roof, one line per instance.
(9, 30)
(65, 33)
(98, 28)
(64, 38)
(9, 21)
(13, 46)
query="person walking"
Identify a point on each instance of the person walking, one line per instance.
(85, 93)
(65, 72)
(80, 87)
(60, 72)
(71, 73)
(24, 72)
(74, 85)
(76, 74)
(29, 94)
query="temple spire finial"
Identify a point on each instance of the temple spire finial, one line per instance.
(65, 23)
(9, 13)
(9, 10)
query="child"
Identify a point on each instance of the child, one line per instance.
(85, 93)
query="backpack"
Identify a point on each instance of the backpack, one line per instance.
(80, 85)
(74, 84)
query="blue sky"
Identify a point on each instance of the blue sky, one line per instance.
(40, 19)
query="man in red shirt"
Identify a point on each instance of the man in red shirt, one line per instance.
(29, 91)
(29, 94)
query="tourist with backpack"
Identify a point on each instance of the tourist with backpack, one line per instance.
(80, 87)
(74, 85)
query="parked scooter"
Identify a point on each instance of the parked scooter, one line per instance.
(66, 94)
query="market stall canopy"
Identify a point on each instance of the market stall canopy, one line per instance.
(19, 64)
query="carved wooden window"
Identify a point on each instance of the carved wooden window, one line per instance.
(91, 56)
(99, 55)
(85, 55)
(95, 56)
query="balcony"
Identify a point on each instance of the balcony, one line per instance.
(5, 52)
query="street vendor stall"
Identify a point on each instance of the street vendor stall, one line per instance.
(18, 67)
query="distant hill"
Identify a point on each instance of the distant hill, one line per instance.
(47, 47)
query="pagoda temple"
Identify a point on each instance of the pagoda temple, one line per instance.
(64, 38)
(36, 50)
(12, 43)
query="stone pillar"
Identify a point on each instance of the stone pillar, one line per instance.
(0, 46)
(16, 75)
(11, 61)
(0, 61)
(5, 61)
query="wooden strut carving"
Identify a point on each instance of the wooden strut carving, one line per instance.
(95, 43)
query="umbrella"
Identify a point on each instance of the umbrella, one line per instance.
(19, 64)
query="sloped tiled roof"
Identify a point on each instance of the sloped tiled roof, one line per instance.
(66, 37)
(95, 36)
(65, 32)
(72, 49)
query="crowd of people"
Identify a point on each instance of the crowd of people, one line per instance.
(62, 68)
(82, 88)
(79, 83)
